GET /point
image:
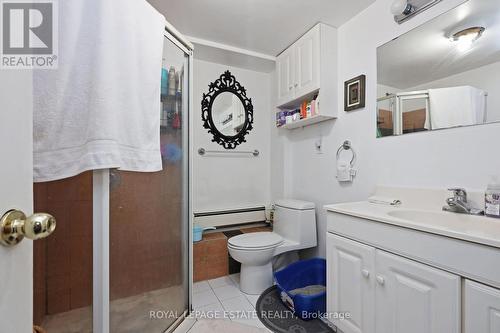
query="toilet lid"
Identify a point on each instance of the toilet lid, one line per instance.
(256, 240)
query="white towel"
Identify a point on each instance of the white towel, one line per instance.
(457, 106)
(384, 201)
(100, 108)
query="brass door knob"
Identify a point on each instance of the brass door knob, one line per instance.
(14, 226)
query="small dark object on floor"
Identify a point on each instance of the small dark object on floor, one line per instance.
(278, 318)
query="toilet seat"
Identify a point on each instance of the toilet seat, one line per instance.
(255, 241)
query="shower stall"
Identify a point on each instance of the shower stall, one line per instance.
(119, 260)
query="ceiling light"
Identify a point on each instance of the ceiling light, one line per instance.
(464, 39)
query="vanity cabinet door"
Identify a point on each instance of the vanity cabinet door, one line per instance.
(286, 72)
(350, 283)
(415, 298)
(307, 62)
(482, 308)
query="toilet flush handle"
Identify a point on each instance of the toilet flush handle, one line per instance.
(380, 280)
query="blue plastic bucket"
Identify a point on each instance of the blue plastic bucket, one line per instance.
(300, 275)
(198, 232)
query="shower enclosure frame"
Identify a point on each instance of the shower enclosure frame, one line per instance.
(101, 211)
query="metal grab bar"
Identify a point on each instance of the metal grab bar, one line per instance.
(203, 152)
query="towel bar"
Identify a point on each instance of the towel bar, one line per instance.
(203, 152)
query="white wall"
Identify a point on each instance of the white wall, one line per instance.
(232, 181)
(463, 156)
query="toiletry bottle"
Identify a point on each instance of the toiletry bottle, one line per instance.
(177, 82)
(171, 81)
(492, 198)
(309, 109)
(181, 80)
(164, 80)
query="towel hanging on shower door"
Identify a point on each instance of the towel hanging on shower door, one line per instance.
(100, 108)
(456, 106)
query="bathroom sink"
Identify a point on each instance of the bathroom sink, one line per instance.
(420, 210)
(435, 218)
(422, 216)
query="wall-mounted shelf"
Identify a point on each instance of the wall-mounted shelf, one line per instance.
(307, 121)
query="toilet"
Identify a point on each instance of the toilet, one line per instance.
(294, 228)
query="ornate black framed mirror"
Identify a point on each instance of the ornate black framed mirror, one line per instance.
(227, 112)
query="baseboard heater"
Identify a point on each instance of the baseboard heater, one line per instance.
(232, 217)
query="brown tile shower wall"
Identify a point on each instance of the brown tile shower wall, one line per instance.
(145, 231)
(63, 262)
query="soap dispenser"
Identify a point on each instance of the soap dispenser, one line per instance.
(492, 198)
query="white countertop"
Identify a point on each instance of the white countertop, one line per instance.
(477, 229)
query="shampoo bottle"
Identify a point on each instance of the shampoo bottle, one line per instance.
(171, 81)
(492, 198)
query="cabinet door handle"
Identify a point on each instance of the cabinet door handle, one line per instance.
(365, 273)
(296, 84)
(380, 280)
(290, 87)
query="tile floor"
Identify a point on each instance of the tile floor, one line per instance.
(222, 299)
(216, 326)
(127, 315)
(218, 304)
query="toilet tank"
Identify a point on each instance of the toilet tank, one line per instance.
(295, 220)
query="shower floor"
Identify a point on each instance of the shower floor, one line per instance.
(127, 315)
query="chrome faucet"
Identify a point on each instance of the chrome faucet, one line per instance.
(459, 204)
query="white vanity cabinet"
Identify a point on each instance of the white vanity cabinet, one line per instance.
(481, 308)
(350, 272)
(385, 293)
(308, 65)
(424, 270)
(413, 298)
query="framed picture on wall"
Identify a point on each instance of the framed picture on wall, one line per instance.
(355, 93)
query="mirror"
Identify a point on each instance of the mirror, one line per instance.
(443, 74)
(227, 112)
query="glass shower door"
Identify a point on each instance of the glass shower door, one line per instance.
(149, 223)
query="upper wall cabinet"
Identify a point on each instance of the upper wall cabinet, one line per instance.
(307, 62)
(286, 77)
(307, 66)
